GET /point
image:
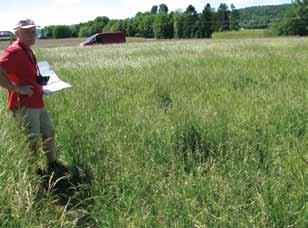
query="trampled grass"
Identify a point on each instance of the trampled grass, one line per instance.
(201, 133)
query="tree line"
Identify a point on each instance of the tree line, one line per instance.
(158, 23)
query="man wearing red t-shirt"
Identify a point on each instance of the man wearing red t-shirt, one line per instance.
(19, 75)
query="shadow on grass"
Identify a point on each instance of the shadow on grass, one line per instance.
(196, 147)
(71, 189)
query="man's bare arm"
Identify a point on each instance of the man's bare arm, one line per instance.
(7, 84)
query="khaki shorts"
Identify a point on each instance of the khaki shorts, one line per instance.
(36, 122)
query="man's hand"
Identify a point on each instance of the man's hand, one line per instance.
(25, 90)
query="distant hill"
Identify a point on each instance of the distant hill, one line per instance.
(261, 16)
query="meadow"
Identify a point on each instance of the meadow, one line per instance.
(244, 34)
(190, 133)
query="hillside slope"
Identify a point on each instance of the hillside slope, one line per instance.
(261, 16)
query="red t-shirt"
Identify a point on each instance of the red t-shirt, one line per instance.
(21, 70)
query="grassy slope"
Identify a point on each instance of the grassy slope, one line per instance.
(178, 134)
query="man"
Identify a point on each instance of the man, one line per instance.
(19, 75)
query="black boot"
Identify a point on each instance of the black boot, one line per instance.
(58, 167)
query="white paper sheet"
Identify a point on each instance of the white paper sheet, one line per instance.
(55, 83)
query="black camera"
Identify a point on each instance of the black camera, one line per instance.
(42, 80)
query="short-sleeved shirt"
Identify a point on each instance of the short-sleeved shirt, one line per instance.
(21, 70)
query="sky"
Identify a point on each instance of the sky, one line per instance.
(68, 12)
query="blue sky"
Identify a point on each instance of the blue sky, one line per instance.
(68, 12)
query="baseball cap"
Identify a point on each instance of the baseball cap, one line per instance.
(25, 24)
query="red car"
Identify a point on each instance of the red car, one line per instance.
(105, 38)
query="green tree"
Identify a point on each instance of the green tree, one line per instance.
(302, 14)
(163, 26)
(99, 23)
(91, 27)
(131, 27)
(48, 31)
(223, 14)
(294, 21)
(197, 33)
(190, 20)
(75, 30)
(144, 25)
(178, 24)
(147, 26)
(163, 8)
(206, 21)
(235, 18)
(62, 31)
(112, 26)
(84, 31)
(154, 9)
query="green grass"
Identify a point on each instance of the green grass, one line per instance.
(243, 34)
(202, 133)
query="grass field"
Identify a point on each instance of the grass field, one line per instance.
(200, 133)
(71, 42)
(243, 34)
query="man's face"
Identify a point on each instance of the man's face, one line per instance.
(27, 36)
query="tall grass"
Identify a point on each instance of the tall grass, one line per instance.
(177, 134)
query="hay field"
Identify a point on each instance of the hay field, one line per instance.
(193, 133)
